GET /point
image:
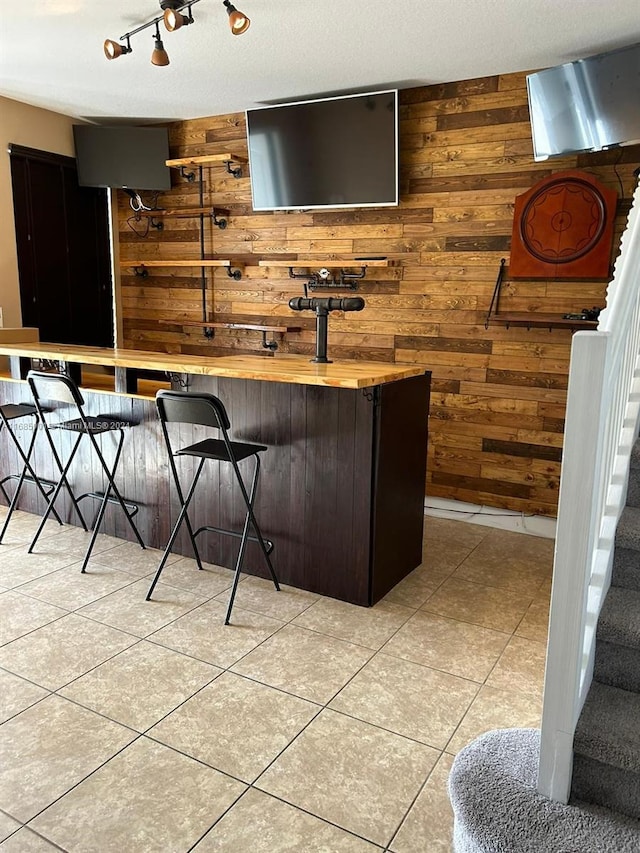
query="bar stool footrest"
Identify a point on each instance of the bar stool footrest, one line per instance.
(132, 508)
(268, 543)
(46, 484)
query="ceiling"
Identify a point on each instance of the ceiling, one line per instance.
(51, 50)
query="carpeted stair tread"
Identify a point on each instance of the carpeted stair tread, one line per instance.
(626, 568)
(608, 729)
(628, 531)
(634, 458)
(608, 786)
(619, 620)
(497, 809)
(617, 665)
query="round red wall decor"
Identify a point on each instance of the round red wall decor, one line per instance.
(563, 228)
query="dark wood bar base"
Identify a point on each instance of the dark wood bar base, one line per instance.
(342, 484)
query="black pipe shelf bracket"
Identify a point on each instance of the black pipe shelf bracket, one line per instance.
(237, 172)
(223, 221)
(180, 380)
(270, 345)
(219, 216)
(323, 279)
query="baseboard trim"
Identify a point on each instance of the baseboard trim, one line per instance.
(489, 516)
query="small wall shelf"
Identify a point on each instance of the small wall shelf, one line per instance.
(140, 266)
(251, 327)
(532, 319)
(314, 263)
(321, 277)
(219, 215)
(545, 321)
(207, 160)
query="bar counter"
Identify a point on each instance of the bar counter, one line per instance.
(342, 484)
(283, 368)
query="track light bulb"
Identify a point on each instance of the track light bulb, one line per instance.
(238, 21)
(113, 49)
(159, 55)
(174, 20)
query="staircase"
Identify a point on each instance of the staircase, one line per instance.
(606, 763)
(591, 709)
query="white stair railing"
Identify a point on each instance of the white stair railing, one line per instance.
(603, 408)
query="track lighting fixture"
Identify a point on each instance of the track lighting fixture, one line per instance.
(238, 21)
(173, 18)
(159, 55)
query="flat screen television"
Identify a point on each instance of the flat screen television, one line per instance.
(587, 105)
(120, 156)
(328, 152)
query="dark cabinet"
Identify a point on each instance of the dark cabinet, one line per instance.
(62, 238)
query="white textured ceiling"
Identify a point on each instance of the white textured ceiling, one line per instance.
(51, 50)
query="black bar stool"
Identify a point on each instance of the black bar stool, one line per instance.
(184, 407)
(11, 412)
(60, 388)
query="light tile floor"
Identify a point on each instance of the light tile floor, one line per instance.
(307, 726)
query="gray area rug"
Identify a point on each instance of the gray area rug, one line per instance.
(492, 787)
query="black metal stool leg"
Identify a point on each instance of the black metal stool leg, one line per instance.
(14, 501)
(61, 482)
(65, 481)
(174, 533)
(111, 478)
(176, 480)
(249, 520)
(111, 488)
(26, 468)
(26, 459)
(249, 502)
(238, 568)
(103, 505)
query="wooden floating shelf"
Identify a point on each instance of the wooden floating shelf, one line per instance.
(333, 265)
(212, 325)
(193, 263)
(205, 159)
(185, 212)
(546, 321)
(209, 326)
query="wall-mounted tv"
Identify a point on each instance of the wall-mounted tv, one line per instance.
(328, 152)
(587, 105)
(120, 156)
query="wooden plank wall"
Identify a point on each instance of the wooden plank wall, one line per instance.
(498, 401)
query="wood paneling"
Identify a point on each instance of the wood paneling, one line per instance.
(465, 155)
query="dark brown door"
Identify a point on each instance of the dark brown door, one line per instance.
(62, 238)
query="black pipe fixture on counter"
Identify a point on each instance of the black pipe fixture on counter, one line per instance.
(173, 19)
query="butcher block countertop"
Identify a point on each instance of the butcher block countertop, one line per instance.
(280, 368)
